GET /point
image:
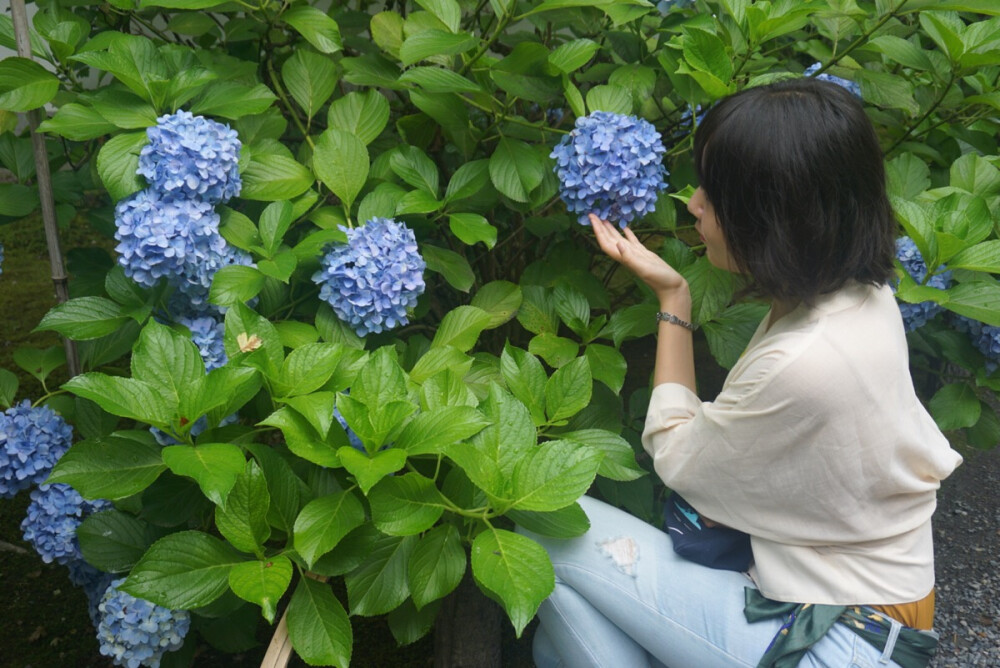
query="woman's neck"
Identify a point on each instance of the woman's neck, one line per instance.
(780, 309)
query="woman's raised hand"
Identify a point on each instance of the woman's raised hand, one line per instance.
(647, 265)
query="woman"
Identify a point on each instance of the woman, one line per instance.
(817, 445)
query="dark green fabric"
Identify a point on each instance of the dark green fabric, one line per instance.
(806, 623)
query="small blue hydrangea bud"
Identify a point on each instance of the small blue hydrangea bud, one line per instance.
(194, 279)
(207, 334)
(852, 86)
(32, 439)
(986, 338)
(164, 237)
(373, 279)
(200, 425)
(610, 165)
(664, 6)
(53, 516)
(192, 157)
(135, 632)
(917, 315)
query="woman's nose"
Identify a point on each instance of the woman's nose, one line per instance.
(696, 204)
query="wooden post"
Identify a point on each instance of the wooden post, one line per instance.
(21, 34)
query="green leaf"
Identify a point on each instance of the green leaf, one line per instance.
(184, 570)
(526, 73)
(887, 90)
(704, 51)
(277, 177)
(274, 222)
(302, 438)
(572, 307)
(554, 475)
(369, 470)
(117, 163)
(310, 79)
(568, 390)
(571, 56)
(109, 467)
(307, 368)
(453, 267)
(282, 485)
(387, 31)
(340, 160)
(432, 431)
(908, 176)
(77, 122)
(557, 351)
(979, 300)
(319, 29)
(262, 582)
(364, 114)
(243, 520)
(619, 458)
(84, 318)
(113, 541)
(607, 365)
(183, 4)
(167, 359)
(461, 328)
(467, 180)
(40, 363)
(955, 406)
(214, 466)
(711, 289)
(568, 522)
(983, 256)
(985, 433)
(516, 169)
(379, 585)
(235, 284)
(976, 174)
(324, 522)
(124, 397)
(901, 51)
(500, 299)
(615, 99)
(490, 456)
(436, 566)
(514, 569)
(16, 200)
(439, 80)
(25, 85)
(8, 388)
(434, 43)
(233, 100)
(123, 108)
(447, 12)
(413, 166)
(405, 505)
(237, 229)
(471, 228)
(537, 313)
(526, 379)
(730, 332)
(318, 625)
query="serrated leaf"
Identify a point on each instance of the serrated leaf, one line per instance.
(324, 522)
(363, 114)
(380, 584)
(432, 431)
(405, 505)
(436, 566)
(319, 29)
(276, 177)
(516, 169)
(453, 267)
(233, 100)
(310, 79)
(568, 522)
(124, 397)
(433, 43)
(243, 519)
(77, 122)
(554, 475)
(516, 570)
(214, 466)
(619, 458)
(526, 378)
(184, 570)
(25, 85)
(113, 541)
(472, 228)
(340, 160)
(117, 163)
(109, 467)
(955, 406)
(369, 470)
(262, 582)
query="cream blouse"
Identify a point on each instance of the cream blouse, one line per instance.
(818, 447)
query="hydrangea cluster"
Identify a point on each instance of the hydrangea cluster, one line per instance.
(611, 165)
(32, 439)
(1, 259)
(664, 6)
(135, 632)
(53, 516)
(852, 86)
(207, 333)
(917, 315)
(163, 237)
(374, 278)
(192, 157)
(194, 280)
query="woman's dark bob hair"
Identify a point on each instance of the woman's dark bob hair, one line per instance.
(794, 171)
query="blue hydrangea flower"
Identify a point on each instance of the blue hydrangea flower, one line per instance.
(53, 516)
(351, 436)
(94, 583)
(610, 165)
(165, 237)
(31, 442)
(917, 315)
(374, 278)
(985, 337)
(192, 157)
(194, 279)
(1, 259)
(207, 334)
(853, 87)
(135, 632)
(664, 6)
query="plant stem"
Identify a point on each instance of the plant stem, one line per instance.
(504, 20)
(925, 115)
(284, 101)
(862, 39)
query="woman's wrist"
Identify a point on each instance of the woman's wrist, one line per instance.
(676, 300)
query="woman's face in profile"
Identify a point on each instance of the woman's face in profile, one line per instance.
(707, 225)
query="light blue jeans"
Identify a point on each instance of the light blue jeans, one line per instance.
(623, 599)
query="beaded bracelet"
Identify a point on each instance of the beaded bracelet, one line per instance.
(663, 316)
